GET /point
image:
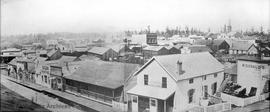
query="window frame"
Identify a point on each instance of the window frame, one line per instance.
(204, 77)
(146, 79)
(164, 82)
(215, 75)
(134, 99)
(190, 81)
(153, 102)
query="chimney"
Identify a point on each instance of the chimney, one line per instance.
(180, 67)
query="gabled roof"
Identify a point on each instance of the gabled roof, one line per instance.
(218, 42)
(241, 45)
(99, 50)
(102, 73)
(13, 61)
(193, 64)
(153, 48)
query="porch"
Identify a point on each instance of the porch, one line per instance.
(93, 92)
(150, 99)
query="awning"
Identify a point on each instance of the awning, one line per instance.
(152, 92)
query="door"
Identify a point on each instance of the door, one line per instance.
(143, 104)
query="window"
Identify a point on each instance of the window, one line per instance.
(42, 77)
(145, 79)
(190, 95)
(190, 81)
(45, 77)
(153, 102)
(134, 99)
(214, 88)
(164, 82)
(205, 91)
(59, 80)
(215, 75)
(204, 77)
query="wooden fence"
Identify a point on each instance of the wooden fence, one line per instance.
(120, 107)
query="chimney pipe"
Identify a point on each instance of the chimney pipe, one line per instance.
(180, 67)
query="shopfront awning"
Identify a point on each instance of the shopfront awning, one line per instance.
(152, 92)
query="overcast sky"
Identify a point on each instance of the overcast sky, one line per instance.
(42, 16)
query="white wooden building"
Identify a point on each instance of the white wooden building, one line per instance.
(175, 82)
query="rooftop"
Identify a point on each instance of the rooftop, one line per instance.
(101, 73)
(194, 64)
(99, 50)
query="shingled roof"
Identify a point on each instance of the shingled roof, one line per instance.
(106, 74)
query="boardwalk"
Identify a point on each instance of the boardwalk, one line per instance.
(82, 102)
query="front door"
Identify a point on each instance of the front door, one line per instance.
(143, 103)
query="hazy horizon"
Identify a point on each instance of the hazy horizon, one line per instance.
(44, 16)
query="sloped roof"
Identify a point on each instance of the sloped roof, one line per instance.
(193, 64)
(88, 57)
(152, 92)
(153, 48)
(13, 61)
(11, 50)
(199, 48)
(81, 48)
(231, 70)
(99, 50)
(203, 42)
(241, 45)
(218, 42)
(117, 47)
(105, 74)
(51, 52)
(61, 62)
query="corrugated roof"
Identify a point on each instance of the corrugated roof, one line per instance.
(194, 64)
(99, 50)
(101, 73)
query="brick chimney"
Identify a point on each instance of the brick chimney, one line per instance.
(180, 68)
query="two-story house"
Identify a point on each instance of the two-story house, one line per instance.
(175, 82)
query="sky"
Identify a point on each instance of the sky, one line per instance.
(43, 16)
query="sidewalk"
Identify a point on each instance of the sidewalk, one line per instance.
(80, 100)
(259, 106)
